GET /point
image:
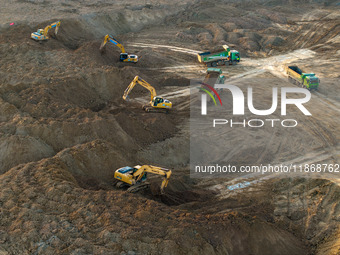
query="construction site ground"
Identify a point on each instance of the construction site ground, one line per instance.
(65, 129)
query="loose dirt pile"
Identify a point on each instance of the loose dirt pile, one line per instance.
(46, 212)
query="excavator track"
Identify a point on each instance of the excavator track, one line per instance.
(121, 184)
(138, 187)
(148, 108)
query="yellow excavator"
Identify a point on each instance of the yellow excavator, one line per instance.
(124, 57)
(135, 177)
(42, 34)
(157, 103)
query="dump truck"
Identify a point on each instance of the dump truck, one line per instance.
(301, 78)
(213, 76)
(220, 57)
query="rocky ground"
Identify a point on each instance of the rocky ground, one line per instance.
(64, 129)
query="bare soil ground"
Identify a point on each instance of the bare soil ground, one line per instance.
(64, 129)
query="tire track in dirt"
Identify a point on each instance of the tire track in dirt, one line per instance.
(328, 101)
(173, 48)
(255, 178)
(177, 67)
(267, 148)
(320, 131)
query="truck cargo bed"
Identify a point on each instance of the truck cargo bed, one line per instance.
(295, 69)
(211, 78)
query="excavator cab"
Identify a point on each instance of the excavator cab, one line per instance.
(125, 174)
(39, 35)
(160, 103)
(123, 56)
(157, 100)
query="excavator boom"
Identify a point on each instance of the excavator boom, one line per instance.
(157, 103)
(140, 81)
(53, 25)
(109, 38)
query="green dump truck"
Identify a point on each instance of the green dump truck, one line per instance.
(220, 57)
(213, 76)
(301, 78)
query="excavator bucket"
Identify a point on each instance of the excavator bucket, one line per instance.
(102, 46)
(56, 30)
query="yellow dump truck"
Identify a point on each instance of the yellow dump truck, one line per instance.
(301, 78)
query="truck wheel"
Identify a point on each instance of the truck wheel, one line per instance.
(213, 64)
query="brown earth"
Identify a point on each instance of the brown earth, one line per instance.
(65, 129)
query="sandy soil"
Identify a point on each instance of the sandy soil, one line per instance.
(65, 129)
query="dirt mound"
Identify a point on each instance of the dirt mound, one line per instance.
(78, 110)
(174, 81)
(181, 191)
(243, 28)
(73, 33)
(322, 35)
(147, 128)
(311, 203)
(59, 217)
(93, 164)
(25, 148)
